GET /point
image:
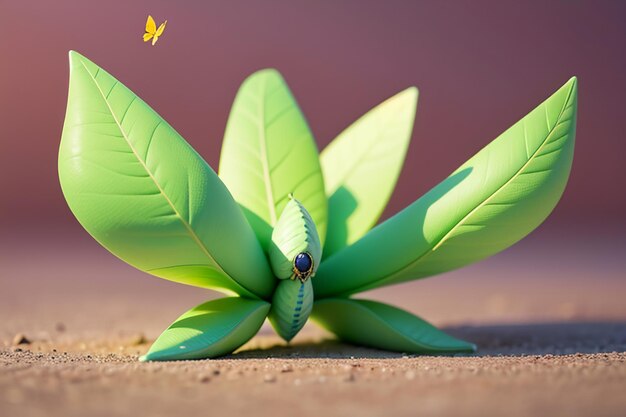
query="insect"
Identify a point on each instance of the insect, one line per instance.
(151, 30)
(295, 245)
(295, 249)
(286, 232)
(303, 266)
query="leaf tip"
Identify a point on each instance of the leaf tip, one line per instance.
(570, 88)
(154, 356)
(74, 56)
(467, 347)
(461, 346)
(266, 73)
(573, 81)
(78, 60)
(406, 98)
(411, 92)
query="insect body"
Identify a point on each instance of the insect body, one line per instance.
(295, 252)
(151, 30)
(302, 266)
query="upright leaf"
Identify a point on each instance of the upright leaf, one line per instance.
(489, 203)
(142, 192)
(269, 153)
(382, 326)
(361, 168)
(209, 330)
(294, 234)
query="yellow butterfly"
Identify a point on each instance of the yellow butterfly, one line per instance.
(151, 30)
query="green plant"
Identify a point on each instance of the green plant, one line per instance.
(141, 191)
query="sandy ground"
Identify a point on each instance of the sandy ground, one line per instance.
(512, 375)
(551, 333)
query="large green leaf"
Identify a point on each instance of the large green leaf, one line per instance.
(147, 196)
(268, 153)
(361, 168)
(209, 330)
(382, 326)
(489, 203)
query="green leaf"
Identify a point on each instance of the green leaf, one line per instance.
(291, 306)
(361, 168)
(382, 326)
(141, 191)
(489, 203)
(294, 233)
(209, 330)
(269, 153)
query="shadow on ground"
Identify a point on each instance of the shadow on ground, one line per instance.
(492, 340)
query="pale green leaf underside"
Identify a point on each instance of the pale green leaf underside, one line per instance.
(291, 306)
(489, 203)
(361, 167)
(381, 326)
(295, 232)
(139, 189)
(268, 153)
(209, 330)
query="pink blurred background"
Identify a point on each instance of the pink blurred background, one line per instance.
(480, 66)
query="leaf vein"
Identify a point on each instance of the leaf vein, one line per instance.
(190, 231)
(460, 222)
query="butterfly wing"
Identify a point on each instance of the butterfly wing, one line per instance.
(161, 28)
(150, 30)
(151, 25)
(158, 33)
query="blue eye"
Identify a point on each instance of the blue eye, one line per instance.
(303, 264)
